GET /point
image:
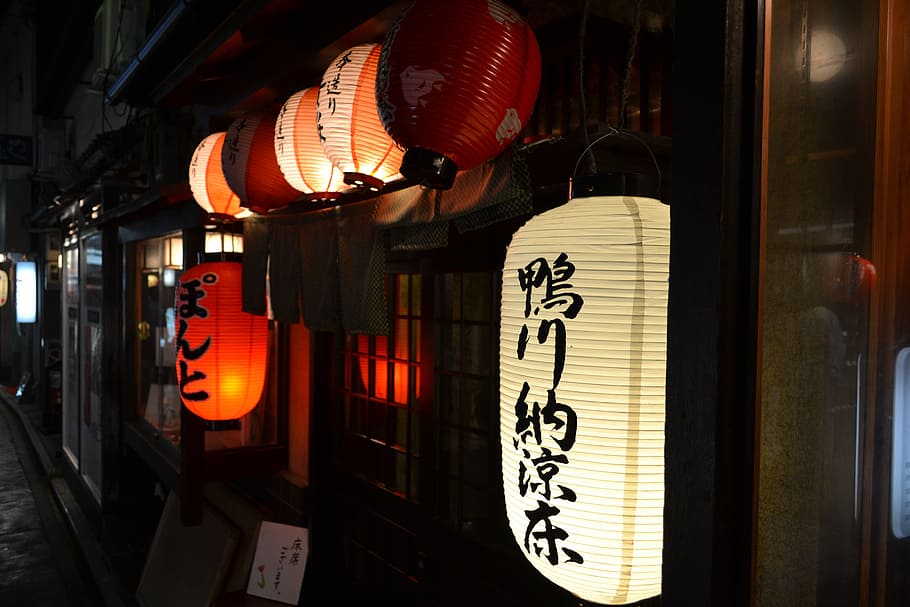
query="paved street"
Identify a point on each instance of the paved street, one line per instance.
(38, 562)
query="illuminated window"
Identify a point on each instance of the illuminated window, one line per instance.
(382, 391)
(160, 264)
(157, 271)
(395, 427)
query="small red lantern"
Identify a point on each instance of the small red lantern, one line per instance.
(210, 190)
(250, 165)
(222, 351)
(299, 151)
(347, 118)
(457, 83)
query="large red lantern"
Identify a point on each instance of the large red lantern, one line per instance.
(300, 157)
(457, 83)
(222, 351)
(250, 165)
(347, 118)
(210, 190)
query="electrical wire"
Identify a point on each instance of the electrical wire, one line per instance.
(592, 163)
(630, 58)
(115, 52)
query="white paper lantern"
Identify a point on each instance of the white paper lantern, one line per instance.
(582, 373)
(299, 150)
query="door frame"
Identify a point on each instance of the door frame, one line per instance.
(890, 329)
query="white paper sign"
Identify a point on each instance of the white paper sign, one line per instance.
(279, 563)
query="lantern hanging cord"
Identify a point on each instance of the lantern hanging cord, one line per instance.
(529, 146)
(614, 131)
(630, 58)
(592, 163)
(623, 94)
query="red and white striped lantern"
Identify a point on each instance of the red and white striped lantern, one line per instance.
(207, 182)
(250, 165)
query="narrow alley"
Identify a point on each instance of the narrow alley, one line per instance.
(40, 565)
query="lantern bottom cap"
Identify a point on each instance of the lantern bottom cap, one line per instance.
(322, 196)
(363, 181)
(221, 218)
(267, 210)
(428, 168)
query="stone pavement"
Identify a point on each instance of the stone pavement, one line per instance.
(39, 563)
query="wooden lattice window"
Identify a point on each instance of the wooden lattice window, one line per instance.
(382, 389)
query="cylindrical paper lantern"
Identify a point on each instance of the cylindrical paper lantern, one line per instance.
(4, 287)
(210, 190)
(582, 371)
(26, 292)
(250, 165)
(351, 133)
(299, 150)
(222, 351)
(457, 83)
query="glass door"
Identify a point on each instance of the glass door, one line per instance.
(818, 274)
(71, 379)
(82, 369)
(92, 373)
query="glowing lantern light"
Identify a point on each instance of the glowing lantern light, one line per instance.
(250, 165)
(4, 287)
(207, 182)
(400, 371)
(26, 292)
(222, 351)
(299, 150)
(457, 83)
(352, 134)
(582, 367)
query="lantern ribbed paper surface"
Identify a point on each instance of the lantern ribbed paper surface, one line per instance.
(582, 372)
(352, 135)
(222, 351)
(250, 165)
(457, 83)
(4, 287)
(207, 182)
(299, 151)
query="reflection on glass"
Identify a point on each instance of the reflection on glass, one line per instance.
(159, 401)
(827, 56)
(71, 407)
(815, 307)
(92, 371)
(463, 377)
